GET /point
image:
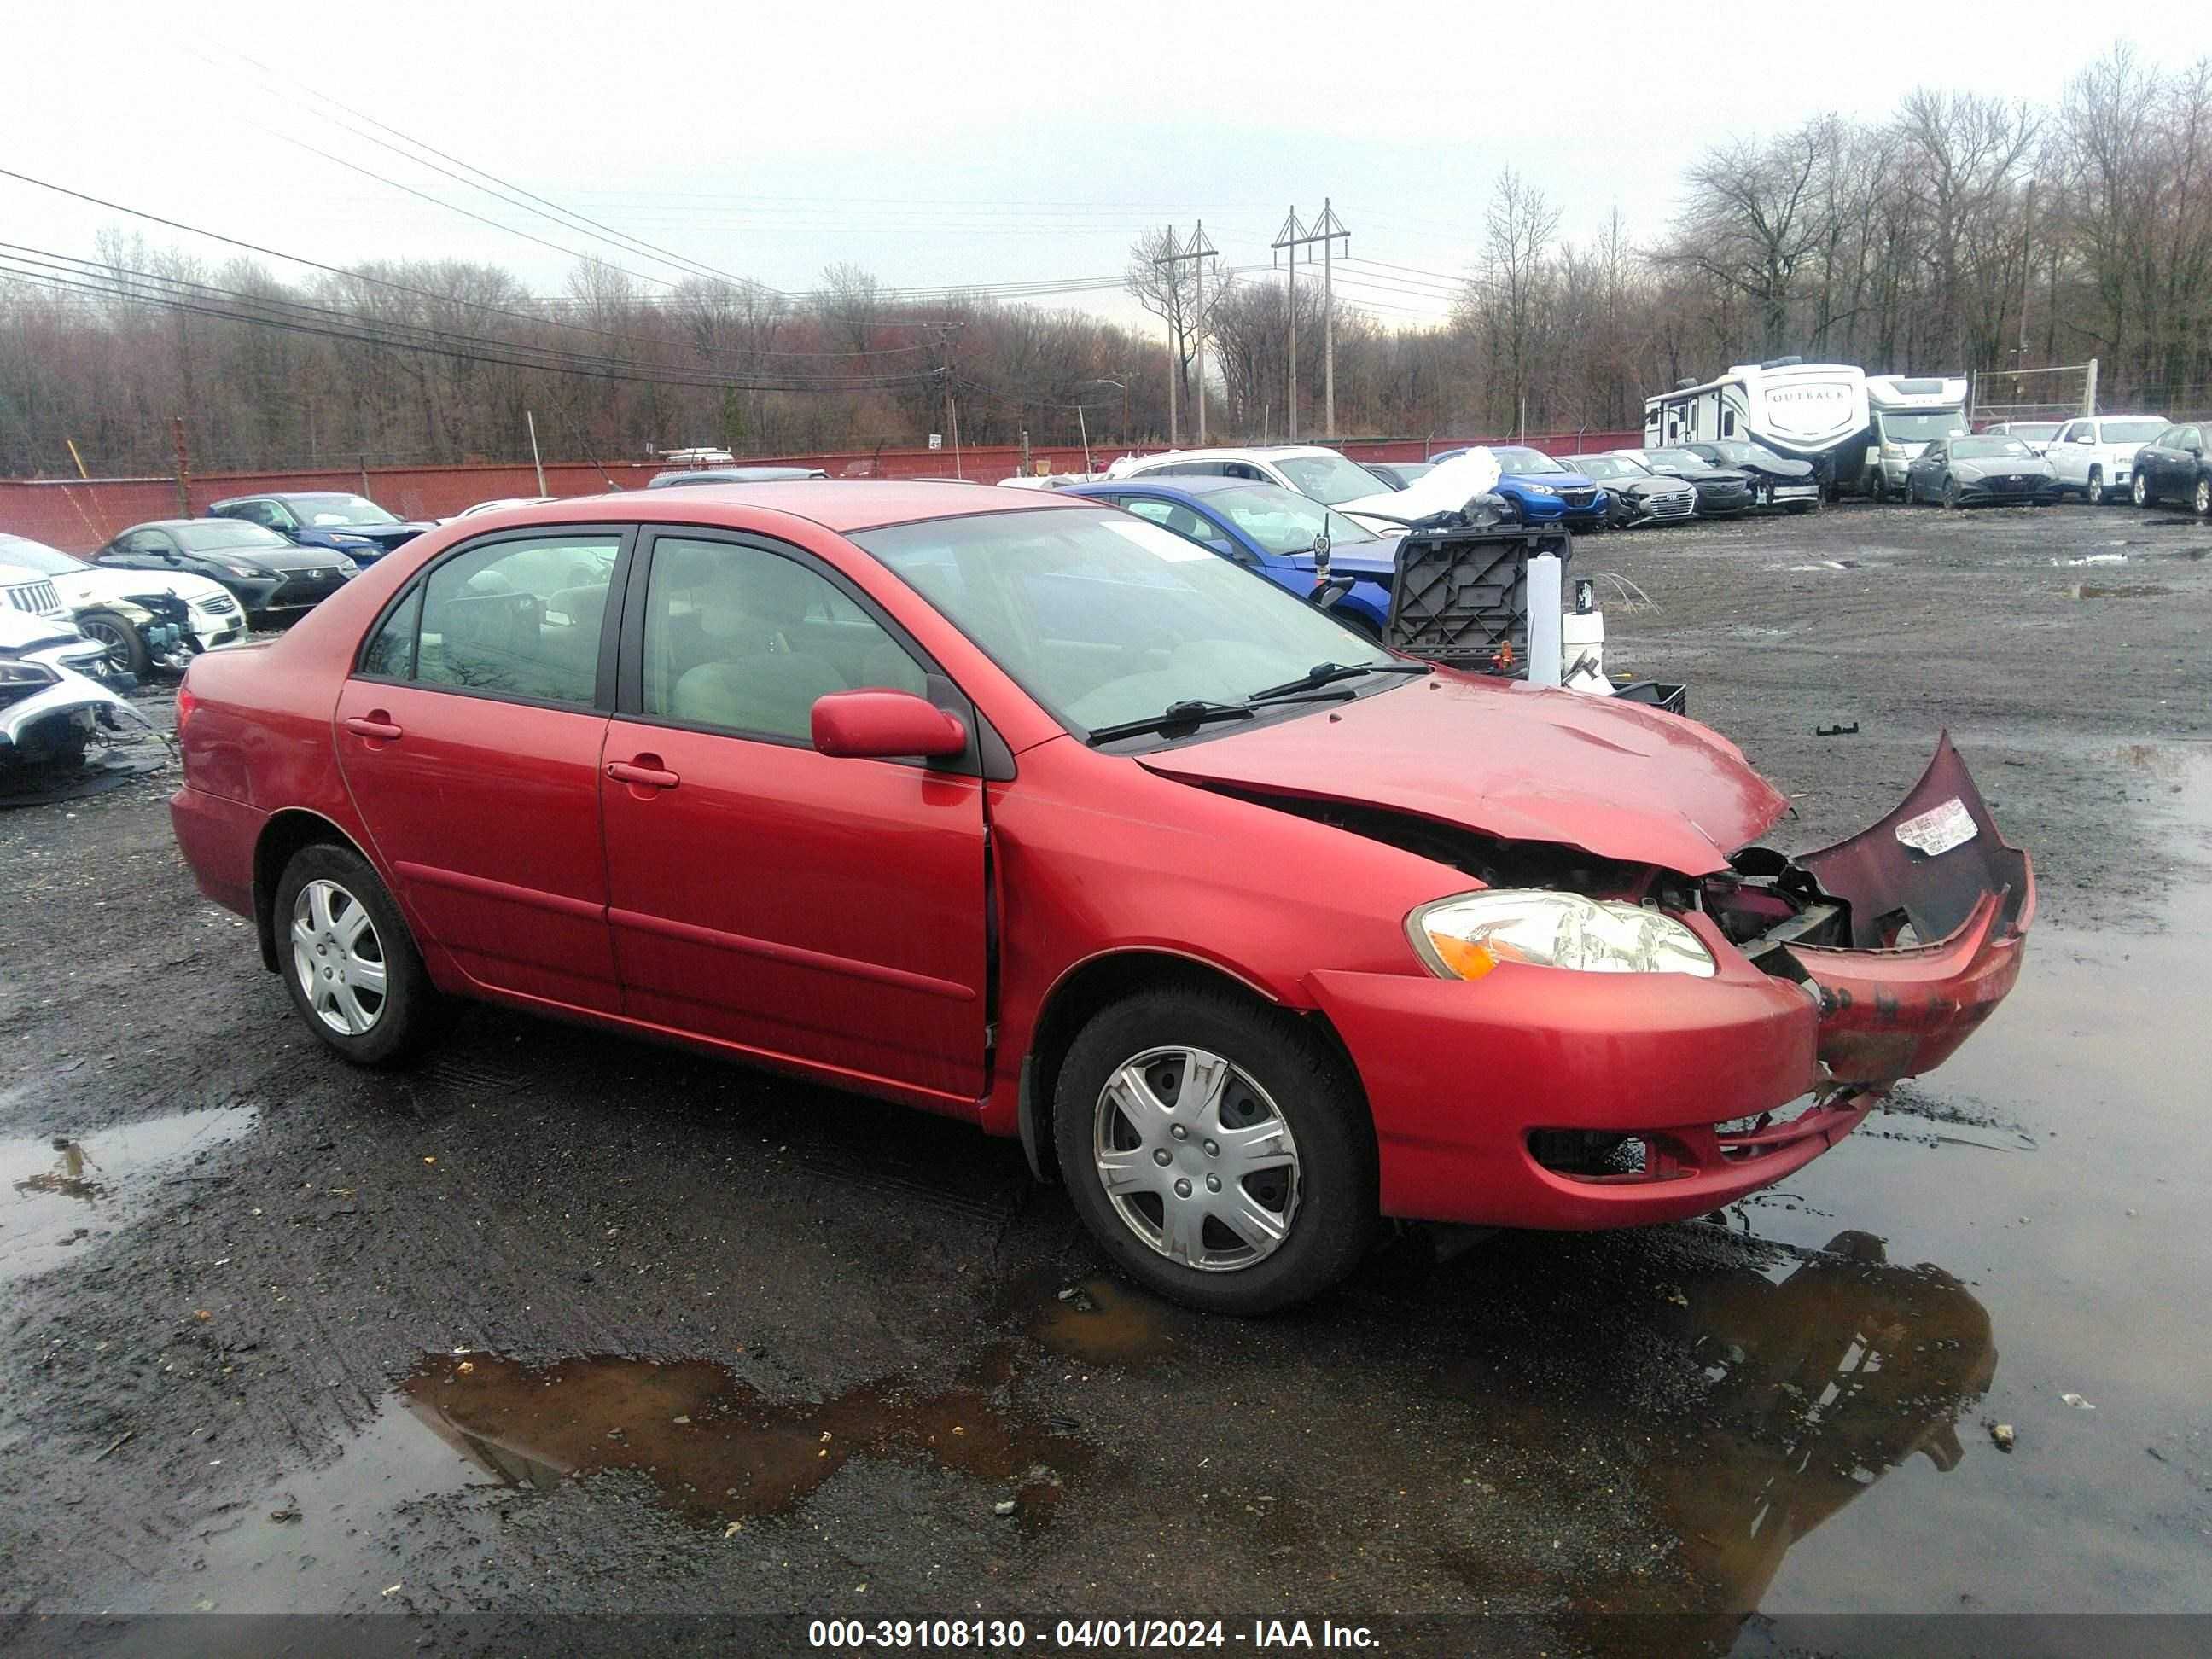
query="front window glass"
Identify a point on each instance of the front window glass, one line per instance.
(1526, 460)
(324, 512)
(1330, 479)
(1282, 522)
(37, 555)
(1922, 429)
(218, 535)
(1603, 467)
(747, 640)
(1987, 448)
(494, 618)
(1677, 458)
(1102, 617)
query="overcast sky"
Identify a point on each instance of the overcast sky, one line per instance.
(940, 144)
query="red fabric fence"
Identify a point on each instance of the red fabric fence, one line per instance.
(79, 515)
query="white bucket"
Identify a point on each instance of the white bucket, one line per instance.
(1582, 652)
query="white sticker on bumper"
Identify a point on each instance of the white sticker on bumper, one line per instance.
(1940, 829)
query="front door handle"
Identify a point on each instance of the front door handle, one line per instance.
(646, 772)
(376, 726)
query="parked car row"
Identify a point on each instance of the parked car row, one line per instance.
(2142, 458)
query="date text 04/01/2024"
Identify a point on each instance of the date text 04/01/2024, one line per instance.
(1000, 1635)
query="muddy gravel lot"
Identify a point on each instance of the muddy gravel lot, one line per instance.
(561, 1325)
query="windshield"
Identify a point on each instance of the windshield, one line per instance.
(324, 511)
(28, 555)
(1923, 428)
(1982, 449)
(217, 534)
(2032, 428)
(1526, 460)
(1329, 478)
(1680, 458)
(1409, 470)
(2130, 432)
(1282, 522)
(1104, 617)
(1608, 466)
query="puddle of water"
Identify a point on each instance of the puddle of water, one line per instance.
(1102, 1320)
(2086, 1246)
(62, 1194)
(717, 1449)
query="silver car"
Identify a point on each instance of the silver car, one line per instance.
(1968, 471)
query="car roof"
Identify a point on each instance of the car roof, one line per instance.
(1244, 453)
(843, 505)
(1194, 484)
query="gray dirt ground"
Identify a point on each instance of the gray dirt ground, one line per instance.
(859, 1312)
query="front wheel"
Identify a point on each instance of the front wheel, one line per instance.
(2204, 495)
(1217, 1149)
(2140, 490)
(1951, 493)
(126, 652)
(2093, 491)
(348, 962)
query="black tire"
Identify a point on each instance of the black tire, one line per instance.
(1334, 1217)
(1951, 494)
(2093, 492)
(2141, 491)
(411, 1010)
(126, 650)
(2204, 495)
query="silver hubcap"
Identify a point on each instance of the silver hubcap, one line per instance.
(2203, 497)
(338, 957)
(1195, 1159)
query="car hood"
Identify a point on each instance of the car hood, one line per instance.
(1549, 480)
(2000, 466)
(1710, 475)
(93, 585)
(1781, 467)
(1617, 779)
(1662, 485)
(386, 536)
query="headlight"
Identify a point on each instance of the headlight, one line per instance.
(348, 568)
(350, 541)
(247, 571)
(1465, 937)
(1540, 490)
(19, 673)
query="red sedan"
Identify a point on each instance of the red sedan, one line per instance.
(1028, 811)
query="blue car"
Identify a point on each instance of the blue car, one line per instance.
(347, 523)
(1268, 528)
(1542, 491)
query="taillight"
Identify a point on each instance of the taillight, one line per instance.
(186, 703)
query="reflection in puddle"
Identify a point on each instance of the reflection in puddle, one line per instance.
(1104, 1320)
(62, 1190)
(718, 1450)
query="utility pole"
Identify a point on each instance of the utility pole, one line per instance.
(1199, 251)
(1326, 230)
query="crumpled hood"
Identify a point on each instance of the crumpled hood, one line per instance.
(1618, 779)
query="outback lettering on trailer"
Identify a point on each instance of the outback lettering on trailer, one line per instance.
(1809, 394)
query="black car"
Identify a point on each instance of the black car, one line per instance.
(1399, 474)
(352, 525)
(1635, 494)
(2173, 467)
(1776, 480)
(1962, 471)
(268, 575)
(1723, 491)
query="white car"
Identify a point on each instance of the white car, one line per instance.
(2095, 456)
(130, 611)
(499, 505)
(1306, 469)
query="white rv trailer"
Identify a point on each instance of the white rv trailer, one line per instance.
(1816, 412)
(1910, 412)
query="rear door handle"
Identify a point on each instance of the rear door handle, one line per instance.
(377, 724)
(646, 771)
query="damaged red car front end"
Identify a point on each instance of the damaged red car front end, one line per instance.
(1641, 1097)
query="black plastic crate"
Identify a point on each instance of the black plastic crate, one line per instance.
(1460, 597)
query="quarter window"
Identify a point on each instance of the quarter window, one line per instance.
(391, 655)
(747, 640)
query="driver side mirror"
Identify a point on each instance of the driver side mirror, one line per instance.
(886, 726)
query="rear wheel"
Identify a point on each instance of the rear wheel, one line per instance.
(349, 962)
(2093, 491)
(1217, 1150)
(2204, 495)
(126, 652)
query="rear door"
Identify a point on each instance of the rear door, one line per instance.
(470, 735)
(827, 911)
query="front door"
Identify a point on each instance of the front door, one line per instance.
(831, 912)
(470, 735)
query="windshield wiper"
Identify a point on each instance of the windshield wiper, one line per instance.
(1328, 673)
(1191, 713)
